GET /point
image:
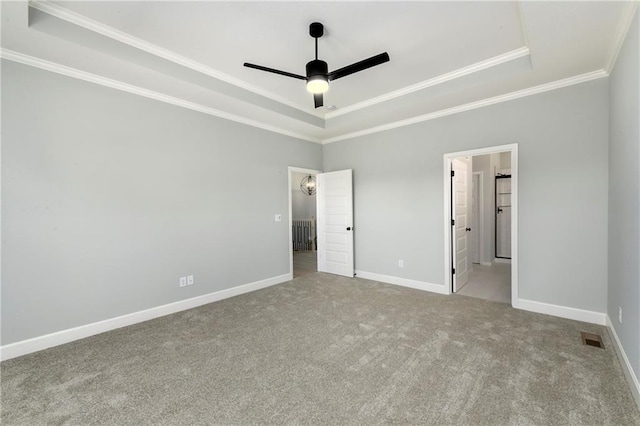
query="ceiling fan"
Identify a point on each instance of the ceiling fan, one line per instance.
(318, 75)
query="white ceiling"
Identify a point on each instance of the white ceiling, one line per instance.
(445, 56)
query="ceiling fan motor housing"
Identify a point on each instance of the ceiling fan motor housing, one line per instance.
(317, 68)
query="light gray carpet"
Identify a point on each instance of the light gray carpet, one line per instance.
(327, 350)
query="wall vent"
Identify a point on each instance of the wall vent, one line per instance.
(591, 339)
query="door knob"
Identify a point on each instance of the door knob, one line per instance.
(348, 228)
(468, 229)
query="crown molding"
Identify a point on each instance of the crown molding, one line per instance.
(129, 88)
(122, 37)
(523, 27)
(75, 18)
(621, 33)
(443, 78)
(117, 35)
(582, 78)
(136, 90)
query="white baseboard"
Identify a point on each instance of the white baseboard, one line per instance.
(404, 282)
(500, 260)
(486, 263)
(39, 343)
(562, 311)
(631, 376)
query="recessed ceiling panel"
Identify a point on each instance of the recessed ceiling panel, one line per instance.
(424, 39)
(444, 55)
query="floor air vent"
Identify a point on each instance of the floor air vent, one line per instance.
(592, 340)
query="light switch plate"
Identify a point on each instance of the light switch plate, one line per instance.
(278, 218)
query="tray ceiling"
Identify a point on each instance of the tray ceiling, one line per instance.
(445, 56)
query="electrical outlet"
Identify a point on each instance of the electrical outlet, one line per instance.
(189, 279)
(620, 314)
(183, 281)
(401, 263)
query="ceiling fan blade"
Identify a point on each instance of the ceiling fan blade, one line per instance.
(359, 66)
(317, 100)
(286, 74)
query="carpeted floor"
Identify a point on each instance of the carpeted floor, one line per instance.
(323, 349)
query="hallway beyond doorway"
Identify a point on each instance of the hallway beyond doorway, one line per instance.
(489, 282)
(304, 263)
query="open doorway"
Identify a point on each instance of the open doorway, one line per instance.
(481, 231)
(302, 221)
(323, 243)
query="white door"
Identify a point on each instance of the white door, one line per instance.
(335, 222)
(461, 211)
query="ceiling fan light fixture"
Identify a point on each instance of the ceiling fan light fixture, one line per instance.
(318, 75)
(317, 85)
(317, 80)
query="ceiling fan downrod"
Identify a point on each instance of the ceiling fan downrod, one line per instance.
(316, 30)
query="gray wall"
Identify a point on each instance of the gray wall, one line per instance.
(505, 160)
(108, 198)
(624, 196)
(562, 137)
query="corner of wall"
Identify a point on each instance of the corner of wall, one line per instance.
(627, 369)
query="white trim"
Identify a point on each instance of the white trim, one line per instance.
(448, 244)
(582, 78)
(443, 78)
(75, 18)
(129, 88)
(501, 260)
(447, 158)
(404, 282)
(125, 38)
(563, 311)
(515, 191)
(486, 263)
(122, 37)
(523, 28)
(293, 169)
(39, 343)
(621, 34)
(627, 369)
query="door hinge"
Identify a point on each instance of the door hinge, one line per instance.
(453, 222)
(453, 173)
(453, 270)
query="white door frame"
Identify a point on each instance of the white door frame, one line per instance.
(447, 158)
(291, 171)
